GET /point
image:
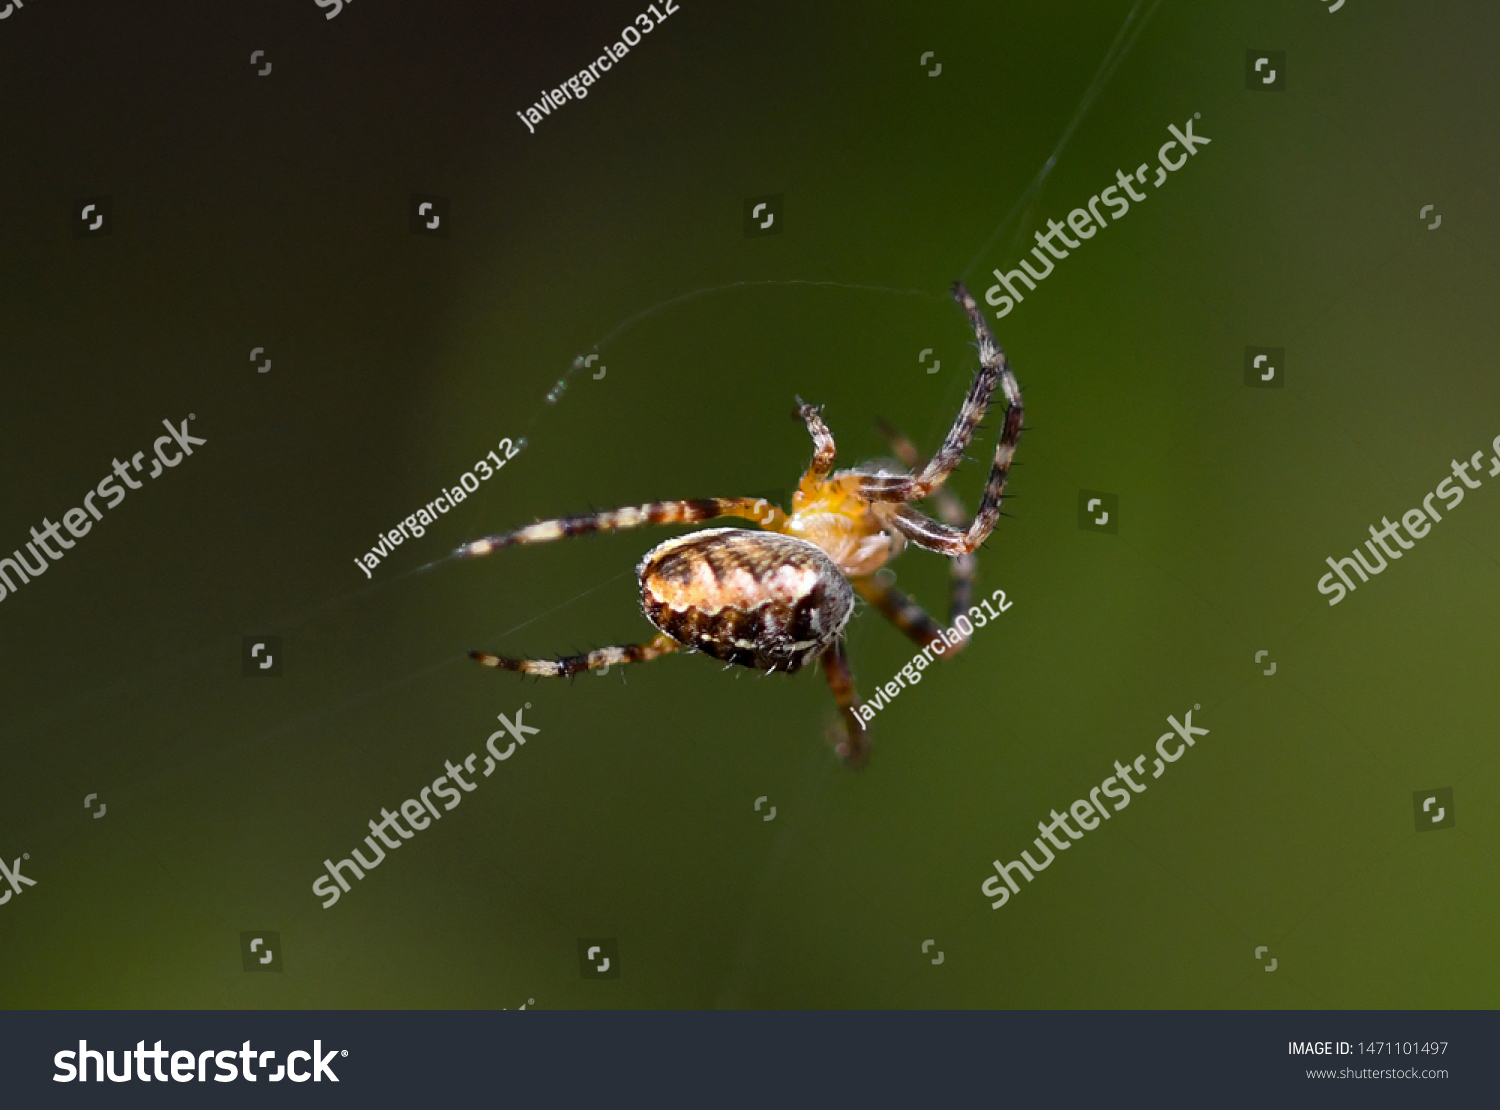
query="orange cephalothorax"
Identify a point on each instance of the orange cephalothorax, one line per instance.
(855, 533)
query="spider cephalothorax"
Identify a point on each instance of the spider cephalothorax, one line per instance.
(778, 599)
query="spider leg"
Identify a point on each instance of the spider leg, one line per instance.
(994, 372)
(950, 510)
(949, 507)
(856, 748)
(911, 618)
(961, 593)
(577, 664)
(823, 446)
(764, 513)
(933, 535)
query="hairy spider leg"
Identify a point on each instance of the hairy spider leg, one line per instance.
(855, 749)
(764, 513)
(950, 511)
(577, 664)
(950, 508)
(918, 527)
(657, 512)
(908, 617)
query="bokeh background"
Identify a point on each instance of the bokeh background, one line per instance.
(272, 212)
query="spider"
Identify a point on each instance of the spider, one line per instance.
(778, 599)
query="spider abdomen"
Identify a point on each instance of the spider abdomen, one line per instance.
(755, 599)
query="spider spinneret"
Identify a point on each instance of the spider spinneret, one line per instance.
(780, 598)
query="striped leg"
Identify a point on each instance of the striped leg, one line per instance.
(910, 617)
(764, 513)
(994, 372)
(950, 511)
(949, 507)
(577, 664)
(855, 748)
(824, 450)
(933, 535)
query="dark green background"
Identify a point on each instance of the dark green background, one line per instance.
(271, 212)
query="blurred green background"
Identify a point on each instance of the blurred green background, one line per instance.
(272, 212)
